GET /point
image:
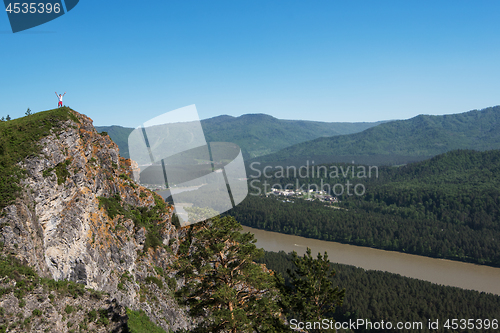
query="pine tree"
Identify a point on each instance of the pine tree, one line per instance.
(223, 284)
(311, 295)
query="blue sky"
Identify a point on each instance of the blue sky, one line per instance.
(124, 62)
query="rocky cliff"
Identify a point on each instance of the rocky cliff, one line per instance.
(79, 217)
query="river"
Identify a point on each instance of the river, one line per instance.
(440, 271)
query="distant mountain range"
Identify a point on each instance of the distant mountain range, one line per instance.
(256, 134)
(268, 140)
(400, 141)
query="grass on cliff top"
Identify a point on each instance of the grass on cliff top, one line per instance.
(18, 140)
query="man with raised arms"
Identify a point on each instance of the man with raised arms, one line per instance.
(60, 99)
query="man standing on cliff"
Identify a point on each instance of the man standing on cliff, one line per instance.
(60, 99)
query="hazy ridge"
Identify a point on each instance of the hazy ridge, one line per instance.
(256, 134)
(401, 141)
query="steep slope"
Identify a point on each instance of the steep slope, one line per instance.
(256, 134)
(401, 141)
(77, 216)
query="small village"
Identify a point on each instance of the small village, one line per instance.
(309, 195)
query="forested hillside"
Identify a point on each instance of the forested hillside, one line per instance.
(261, 134)
(256, 134)
(378, 296)
(402, 141)
(446, 207)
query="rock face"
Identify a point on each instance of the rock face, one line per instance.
(60, 227)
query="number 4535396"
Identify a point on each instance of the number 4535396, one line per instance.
(33, 8)
(471, 324)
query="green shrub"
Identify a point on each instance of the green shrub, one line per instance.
(103, 321)
(171, 283)
(152, 240)
(125, 277)
(125, 177)
(62, 172)
(19, 292)
(155, 280)
(12, 268)
(159, 270)
(103, 317)
(65, 287)
(138, 322)
(37, 312)
(69, 309)
(175, 221)
(96, 294)
(112, 205)
(48, 172)
(92, 315)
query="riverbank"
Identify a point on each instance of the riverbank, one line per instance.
(440, 271)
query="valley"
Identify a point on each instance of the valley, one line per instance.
(443, 207)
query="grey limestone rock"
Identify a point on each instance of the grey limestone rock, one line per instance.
(59, 228)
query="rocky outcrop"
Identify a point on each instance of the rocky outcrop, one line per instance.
(60, 227)
(45, 310)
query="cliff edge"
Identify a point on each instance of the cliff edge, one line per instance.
(78, 216)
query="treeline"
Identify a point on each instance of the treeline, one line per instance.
(377, 296)
(445, 207)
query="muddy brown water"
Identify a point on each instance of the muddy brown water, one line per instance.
(440, 271)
